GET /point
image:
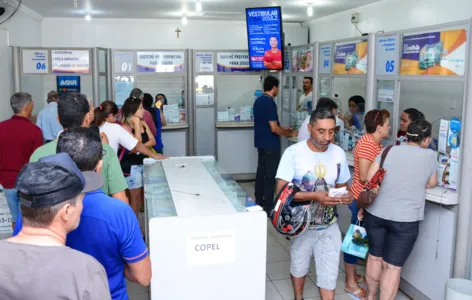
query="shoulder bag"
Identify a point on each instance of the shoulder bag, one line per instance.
(371, 189)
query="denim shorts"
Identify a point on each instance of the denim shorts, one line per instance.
(13, 202)
(393, 241)
(135, 179)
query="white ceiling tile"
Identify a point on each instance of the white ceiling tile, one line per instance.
(293, 10)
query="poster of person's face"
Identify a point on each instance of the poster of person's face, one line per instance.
(274, 43)
(302, 60)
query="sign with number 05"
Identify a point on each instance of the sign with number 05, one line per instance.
(386, 55)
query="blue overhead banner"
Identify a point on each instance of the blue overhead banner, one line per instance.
(264, 31)
(68, 84)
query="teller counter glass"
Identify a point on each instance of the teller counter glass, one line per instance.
(205, 90)
(173, 87)
(297, 117)
(436, 100)
(325, 87)
(235, 97)
(158, 195)
(40, 85)
(385, 96)
(345, 88)
(122, 86)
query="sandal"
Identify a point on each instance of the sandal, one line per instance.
(362, 279)
(359, 293)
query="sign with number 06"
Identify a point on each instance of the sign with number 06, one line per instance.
(35, 61)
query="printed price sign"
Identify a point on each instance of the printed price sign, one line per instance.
(35, 61)
(5, 215)
(386, 53)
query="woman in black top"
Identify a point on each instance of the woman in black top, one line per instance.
(132, 119)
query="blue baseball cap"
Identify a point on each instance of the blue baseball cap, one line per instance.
(54, 179)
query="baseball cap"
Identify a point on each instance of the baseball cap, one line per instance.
(54, 179)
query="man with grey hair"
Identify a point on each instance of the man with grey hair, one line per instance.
(47, 118)
(19, 137)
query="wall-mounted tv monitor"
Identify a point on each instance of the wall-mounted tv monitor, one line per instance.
(264, 35)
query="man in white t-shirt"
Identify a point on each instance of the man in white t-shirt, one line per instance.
(315, 166)
(323, 103)
(307, 96)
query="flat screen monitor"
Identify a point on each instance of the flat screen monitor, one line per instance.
(264, 35)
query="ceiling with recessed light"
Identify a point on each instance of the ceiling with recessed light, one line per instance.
(293, 10)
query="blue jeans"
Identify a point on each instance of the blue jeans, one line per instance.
(13, 202)
(351, 259)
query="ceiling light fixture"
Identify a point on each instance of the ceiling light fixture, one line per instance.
(310, 11)
(184, 20)
(88, 17)
(198, 6)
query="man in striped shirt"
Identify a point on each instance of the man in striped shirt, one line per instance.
(377, 124)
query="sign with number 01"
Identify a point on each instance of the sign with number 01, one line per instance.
(35, 61)
(386, 55)
(123, 62)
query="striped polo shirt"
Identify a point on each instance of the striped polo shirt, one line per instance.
(368, 149)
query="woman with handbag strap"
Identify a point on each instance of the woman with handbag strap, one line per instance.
(392, 221)
(377, 125)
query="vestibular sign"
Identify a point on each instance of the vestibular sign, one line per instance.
(210, 248)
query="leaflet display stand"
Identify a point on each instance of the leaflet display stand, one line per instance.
(203, 242)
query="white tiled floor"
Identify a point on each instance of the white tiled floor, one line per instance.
(278, 284)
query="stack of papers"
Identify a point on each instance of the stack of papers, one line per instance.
(171, 113)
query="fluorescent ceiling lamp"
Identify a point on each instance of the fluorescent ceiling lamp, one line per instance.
(88, 17)
(198, 7)
(184, 20)
(310, 11)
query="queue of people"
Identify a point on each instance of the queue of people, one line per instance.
(315, 165)
(68, 193)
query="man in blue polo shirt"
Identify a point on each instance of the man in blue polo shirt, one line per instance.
(267, 132)
(108, 230)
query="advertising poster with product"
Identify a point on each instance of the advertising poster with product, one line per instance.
(264, 28)
(160, 62)
(233, 62)
(302, 60)
(435, 53)
(350, 58)
(70, 61)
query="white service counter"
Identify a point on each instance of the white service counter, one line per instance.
(203, 242)
(235, 148)
(175, 139)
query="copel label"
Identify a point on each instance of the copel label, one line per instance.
(210, 248)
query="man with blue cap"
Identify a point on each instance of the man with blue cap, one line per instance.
(36, 263)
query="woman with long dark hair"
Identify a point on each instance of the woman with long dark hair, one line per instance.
(132, 114)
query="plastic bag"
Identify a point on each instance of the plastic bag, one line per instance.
(355, 242)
